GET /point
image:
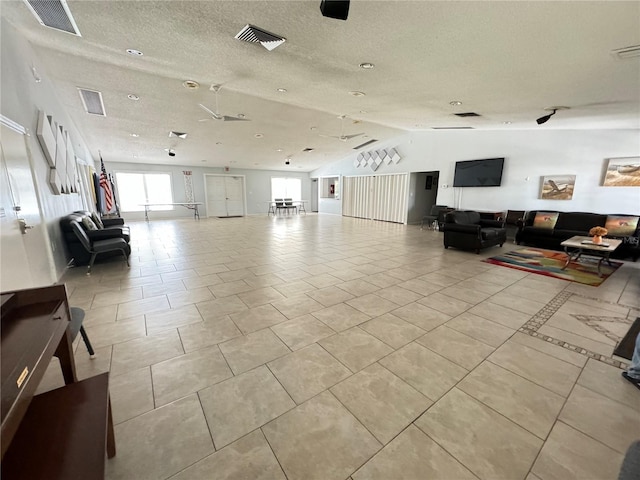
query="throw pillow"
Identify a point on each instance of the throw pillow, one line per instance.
(621, 226)
(545, 220)
(88, 224)
(96, 219)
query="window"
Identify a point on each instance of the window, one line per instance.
(134, 189)
(286, 188)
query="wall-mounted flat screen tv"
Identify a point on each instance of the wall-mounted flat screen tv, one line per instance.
(478, 173)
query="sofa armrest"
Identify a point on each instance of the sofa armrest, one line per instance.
(470, 228)
(112, 222)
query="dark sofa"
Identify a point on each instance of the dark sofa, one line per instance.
(112, 228)
(465, 229)
(547, 234)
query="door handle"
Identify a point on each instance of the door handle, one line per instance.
(23, 226)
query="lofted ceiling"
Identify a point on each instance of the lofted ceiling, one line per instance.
(506, 61)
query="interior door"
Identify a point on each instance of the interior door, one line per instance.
(26, 258)
(235, 196)
(225, 196)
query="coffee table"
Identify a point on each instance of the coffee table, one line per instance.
(585, 246)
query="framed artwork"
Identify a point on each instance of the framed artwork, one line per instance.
(557, 187)
(622, 172)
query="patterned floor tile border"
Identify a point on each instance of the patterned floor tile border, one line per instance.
(540, 318)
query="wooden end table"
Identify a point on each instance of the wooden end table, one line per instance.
(585, 246)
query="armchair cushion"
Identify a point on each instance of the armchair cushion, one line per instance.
(88, 224)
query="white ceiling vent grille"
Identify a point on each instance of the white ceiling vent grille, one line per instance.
(92, 102)
(54, 14)
(254, 34)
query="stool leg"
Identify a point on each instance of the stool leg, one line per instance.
(92, 354)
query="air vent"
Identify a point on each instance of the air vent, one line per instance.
(308, 149)
(627, 52)
(452, 128)
(254, 34)
(365, 144)
(92, 102)
(467, 114)
(54, 14)
(181, 135)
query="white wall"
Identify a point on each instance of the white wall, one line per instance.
(22, 98)
(257, 183)
(530, 154)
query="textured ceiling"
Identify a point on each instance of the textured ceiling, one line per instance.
(506, 61)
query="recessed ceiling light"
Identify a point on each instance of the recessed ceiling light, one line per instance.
(507, 122)
(134, 135)
(455, 103)
(278, 149)
(313, 129)
(134, 52)
(191, 84)
(133, 96)
(282, 90)
(218, 143)
(135, 156)
(356, 93)
(258, 135)
(367, 65)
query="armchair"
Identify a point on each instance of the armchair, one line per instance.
(95, 247)
(433, 216)
(465, 229)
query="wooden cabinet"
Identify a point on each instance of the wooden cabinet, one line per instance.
(59, 434)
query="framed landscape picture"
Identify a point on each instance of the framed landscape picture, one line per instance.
(557, 187)
(622, 172)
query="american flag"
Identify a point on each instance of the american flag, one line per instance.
(106, 186)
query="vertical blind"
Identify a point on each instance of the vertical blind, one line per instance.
(379, 197)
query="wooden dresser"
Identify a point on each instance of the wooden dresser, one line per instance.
(61, 434)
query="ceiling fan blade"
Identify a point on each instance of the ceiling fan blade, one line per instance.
(210, 112)
(204, 119)
(228, 118)
(349, 137)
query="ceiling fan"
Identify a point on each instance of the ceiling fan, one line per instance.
(342, 137)
(215, 115)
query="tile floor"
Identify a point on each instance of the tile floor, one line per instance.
(322, 347)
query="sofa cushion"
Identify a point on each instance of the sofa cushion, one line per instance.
(463, 217)
(538, 232)
(88, 224)
(579, 221)
(546, 220)
(489, 233)
(621, 225)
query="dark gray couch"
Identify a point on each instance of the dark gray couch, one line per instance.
(113, 228)
(570, 224)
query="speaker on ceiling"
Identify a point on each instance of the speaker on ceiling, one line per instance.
(335, 9)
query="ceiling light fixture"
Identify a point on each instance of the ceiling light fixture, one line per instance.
(282, 90)
(133, 96)
(134, 52)
(507, 122)
(191, 84)
(259, 135)
(455, 103)
(546, 118)
(356, 93)
(134, 135)
(367, 66)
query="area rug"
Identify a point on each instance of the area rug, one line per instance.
(550, 263)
